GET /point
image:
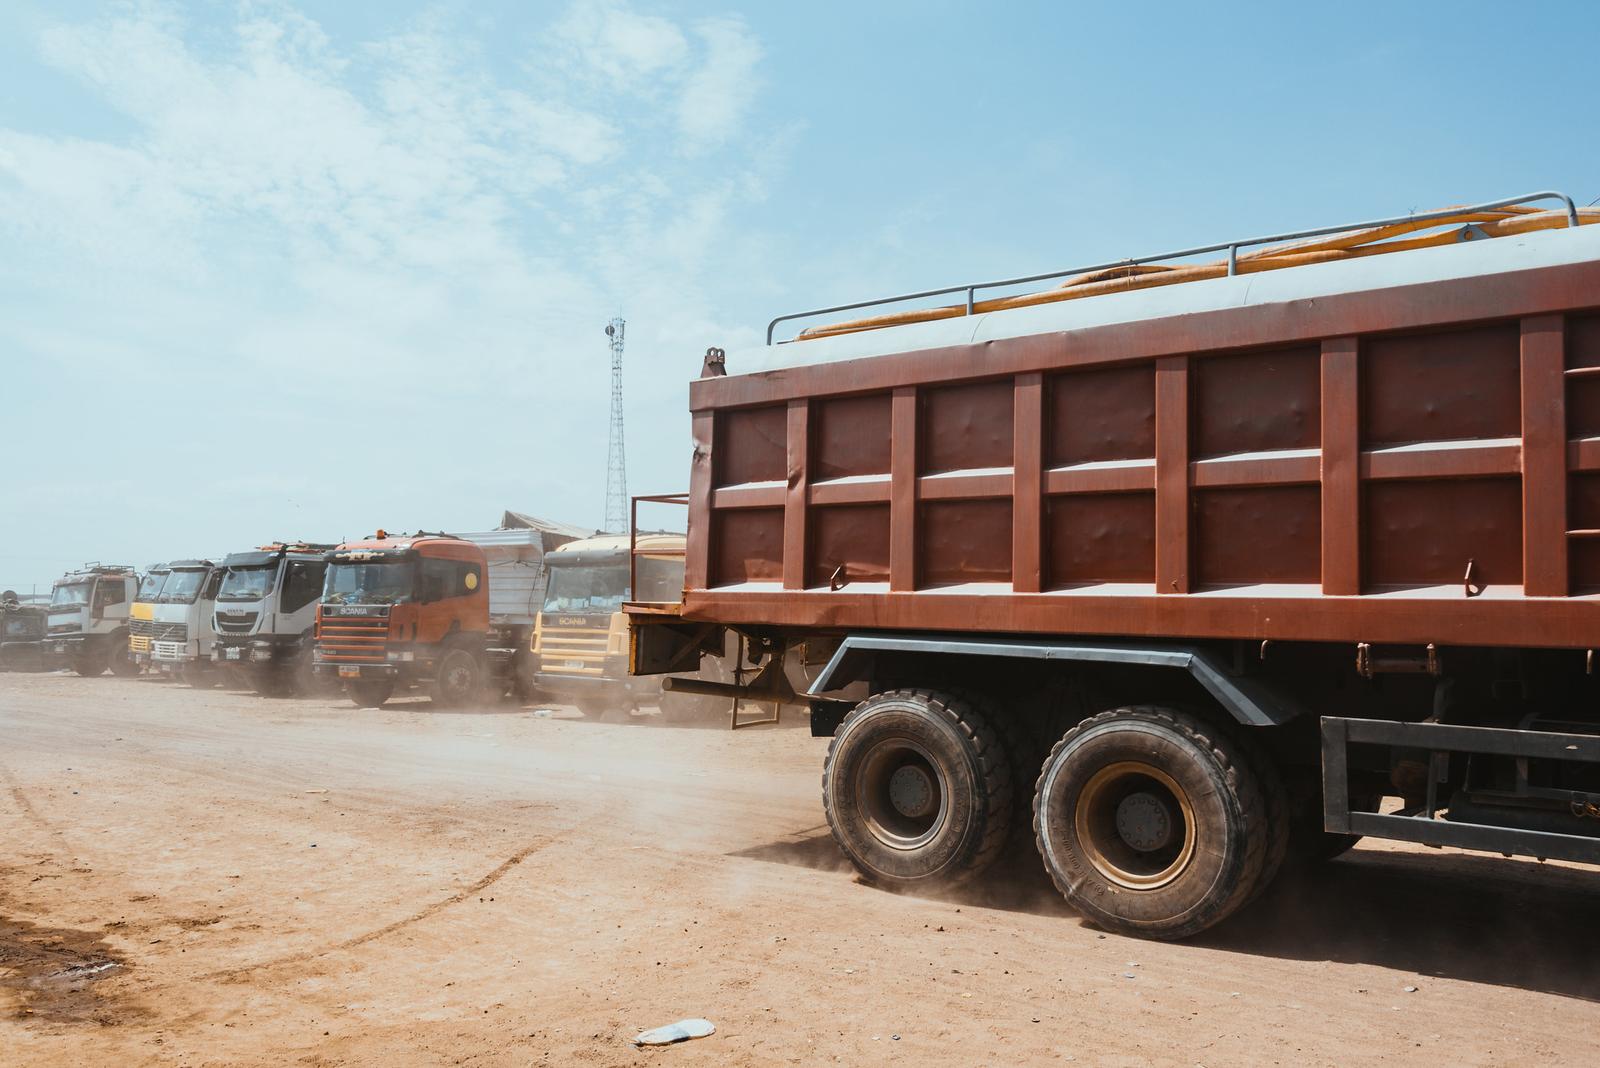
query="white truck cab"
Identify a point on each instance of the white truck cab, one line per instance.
(182, 630)
(87, 625)
(266, 611)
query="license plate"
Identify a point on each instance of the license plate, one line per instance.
(231, 654)
(575, 665)
(349, 672)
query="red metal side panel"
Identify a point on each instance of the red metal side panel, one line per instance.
(1172, 475)
(1544, 457)
(903, 492)
(1341, 479)
(1413, 465)
(1027, 564)
(794, 504)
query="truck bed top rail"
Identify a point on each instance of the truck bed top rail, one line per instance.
(971, 289)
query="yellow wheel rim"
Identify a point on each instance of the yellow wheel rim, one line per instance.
(1135, 825)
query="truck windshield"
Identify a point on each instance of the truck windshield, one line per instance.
(387, 582)
(181, 587)
(586, 589)
(71, 593)
(150, 585)
(248, 583)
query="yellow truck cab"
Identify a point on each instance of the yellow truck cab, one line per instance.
(580, 639)
(141, 617)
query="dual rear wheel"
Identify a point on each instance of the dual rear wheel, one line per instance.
(1150, 821)
(917, 789)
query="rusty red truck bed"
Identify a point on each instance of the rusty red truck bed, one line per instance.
(1209, 568)
(1398, 451)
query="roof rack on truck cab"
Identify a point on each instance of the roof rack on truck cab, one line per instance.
(95, 567)
(297, 547)
(1509, 215)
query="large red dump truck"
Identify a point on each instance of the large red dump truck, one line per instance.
(1209, 565)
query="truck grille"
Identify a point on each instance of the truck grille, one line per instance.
(170, 632)
(353, 639)
(236, 622)
(140, 628)
(167, 650)
(64, 628)
(573, 650)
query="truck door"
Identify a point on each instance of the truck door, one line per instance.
(302, 584)
(457, 586)
(108, 593)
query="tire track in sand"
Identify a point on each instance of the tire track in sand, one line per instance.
(33, 815)
(432, 909)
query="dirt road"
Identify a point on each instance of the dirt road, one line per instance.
(197, 878)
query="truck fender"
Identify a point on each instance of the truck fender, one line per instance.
(1248, 700)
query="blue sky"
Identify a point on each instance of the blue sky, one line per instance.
(279, 270)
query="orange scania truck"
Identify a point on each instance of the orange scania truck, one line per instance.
(449, 614)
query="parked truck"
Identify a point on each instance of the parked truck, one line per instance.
(87, 620)
(1182, 570)
(183, 628)
(580, 638)
(265, 615)
(22, 628)
(450, 614)
(141, 616)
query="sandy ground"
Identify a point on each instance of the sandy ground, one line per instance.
(197, 878)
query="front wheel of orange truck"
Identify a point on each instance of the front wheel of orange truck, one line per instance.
(917, 789)
(370, 693)
(459, 679)
(1152, 822)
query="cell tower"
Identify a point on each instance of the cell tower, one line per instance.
(616, 453)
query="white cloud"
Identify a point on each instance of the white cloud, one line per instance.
(720, 91)
(395, 233)
(607, 43)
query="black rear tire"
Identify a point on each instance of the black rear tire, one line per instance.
(370, 693)
(1152, 822)
(692, 709)
(303, 678)
(92, 663)
(605, 711)
(199, 678)
(1279, 808)
(1309, 844)
(917, 789)
(121, 659)
(458, 680)
(271, 679)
